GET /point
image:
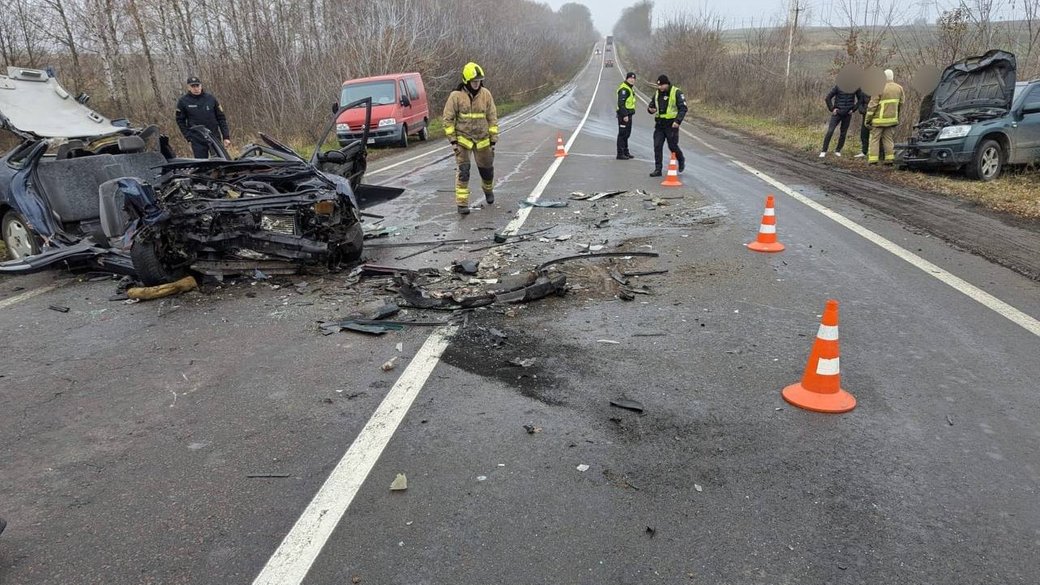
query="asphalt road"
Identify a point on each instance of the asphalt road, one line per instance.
(128, 432)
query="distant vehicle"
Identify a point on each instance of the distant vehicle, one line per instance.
(608, 63)
(598, 52)
(981, 122)
(610, 40)
(399, 109)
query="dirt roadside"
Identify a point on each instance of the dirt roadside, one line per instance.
(1002, 238)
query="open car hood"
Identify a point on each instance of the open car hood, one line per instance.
(34, 104)
(977, 82)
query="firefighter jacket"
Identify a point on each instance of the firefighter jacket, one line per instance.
(626, 100)
(471, 119)
(670, 107)
(201, 110)
(883, 110)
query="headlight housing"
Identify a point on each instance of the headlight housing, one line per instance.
(954, 132)
(387, 122)
(342, 127)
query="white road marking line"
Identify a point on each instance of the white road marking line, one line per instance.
(980, 296)
(300, 548)
(27, 295)
(293, 558)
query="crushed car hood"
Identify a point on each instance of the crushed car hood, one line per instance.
(34, 104)
(977, 82)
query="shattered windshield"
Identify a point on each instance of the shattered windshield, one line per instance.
(381, 92)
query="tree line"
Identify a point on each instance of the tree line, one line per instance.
(277, 65)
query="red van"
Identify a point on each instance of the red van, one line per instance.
(399, 109)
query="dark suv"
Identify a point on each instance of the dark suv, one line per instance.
(982, 120)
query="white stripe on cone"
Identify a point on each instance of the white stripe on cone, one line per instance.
(828, 333)
(826, 367)
(767, 229)
(770, 212)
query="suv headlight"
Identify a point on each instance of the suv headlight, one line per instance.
(342, 127)
(387, 122)
(954, 132)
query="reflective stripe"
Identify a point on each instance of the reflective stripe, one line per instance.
(465, 142)
(485, 143)
(630, 101)
(826, 367)
(827, 333)
(449, 130)
(770, 212)
(493, 129)
(891, 119)
(767, 229)
(476, 116)
(673, 108)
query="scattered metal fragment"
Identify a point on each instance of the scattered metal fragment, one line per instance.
(608, 341)
(949, 419)
(564, 237)
(618, 278)
(582, 468)
(423, 251)
(523, 362)
(545, 265)
(579, 196)
(627, 404)
(59, 308)
(466, 266)
(268, 475)
(529, 203)
(531, 429)
(644, 273)
(698, 487)
(602, 223)
(389, 364)
(399, 484)
(651, 531)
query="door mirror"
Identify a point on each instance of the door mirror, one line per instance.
(405, 102)
(335, 157)
(335, 107)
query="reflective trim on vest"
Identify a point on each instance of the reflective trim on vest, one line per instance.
(449, 130)
(493, 129)
(630, 101)
(673, 108)
(465, 142)
(884, 117)
(476, 116)
(485, 143)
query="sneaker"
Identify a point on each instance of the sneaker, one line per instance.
(622, 157)
(628, 155)
(463, 209)
(860, 155)
(656, 173)
(823, 155)
(837, 154)
(682, 166)
(489, 197)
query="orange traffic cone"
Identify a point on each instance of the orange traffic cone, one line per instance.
(560, 152)
(766, 240)
(820, 388)
(672, 179)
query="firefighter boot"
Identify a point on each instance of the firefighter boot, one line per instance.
(462, 189)
(487, 183)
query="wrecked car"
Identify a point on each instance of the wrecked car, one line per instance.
(981, 122)
(81, 188)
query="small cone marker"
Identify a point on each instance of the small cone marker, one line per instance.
(672, 180)
(560, 152)
(820, 389)
(766, 240)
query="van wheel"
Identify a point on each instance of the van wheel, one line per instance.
(147, 257)
(424, 134)
(403, 140)
(987, 162)
(18, 237)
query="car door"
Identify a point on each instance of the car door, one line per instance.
(419, 108)
(408, 112)
(1027, 130)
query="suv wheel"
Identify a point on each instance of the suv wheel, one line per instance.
(987, 162)
(149, 264)
(18, 237)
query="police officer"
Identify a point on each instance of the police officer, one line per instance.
(669, 108)
(198, 108)
(626, 109)
(471, 125)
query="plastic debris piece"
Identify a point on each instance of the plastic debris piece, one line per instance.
(163, 290)
(59, 308)
(523, 362)
(627, 404)
(698, 487)
(466, 266)
(481, 478)
(608, 341)
(582, 468)
(259, 275)
(400, 347)
(650, 530)
(529, 203)
(399, 484)
(564, 237)
(389, 364)
(531, 429)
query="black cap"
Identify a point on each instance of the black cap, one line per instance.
(630, 75)
(663, 79)
(194, 81)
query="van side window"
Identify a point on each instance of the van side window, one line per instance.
(413, 89)
(1032, 100)
(404, 92)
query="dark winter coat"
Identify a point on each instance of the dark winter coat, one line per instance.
(844, 102)
(202, 110)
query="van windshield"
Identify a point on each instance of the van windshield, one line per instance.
(381, 92)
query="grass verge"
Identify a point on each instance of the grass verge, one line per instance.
(1016, 192)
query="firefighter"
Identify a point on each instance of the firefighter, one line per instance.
(471, 125)
(626, 109)
(883, 117)
(669, 109)
(198, 108)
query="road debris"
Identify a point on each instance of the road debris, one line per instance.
(627, 404)
(268, 475)
(949, 419)
(582, 468)
(551, 204)
(564, 237)
(59, 308)
(580, 196)
(481, 478)
(146, 293)
(650, 530)
(399, 484)
(389, 364)
(466, 266)
(531, 429)
(523, 362)
(698, 487)
(608, 341)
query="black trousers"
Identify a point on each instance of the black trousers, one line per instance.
(844, 120)
(199, 148)
(671, 135)
(864, 134)
(623, 132)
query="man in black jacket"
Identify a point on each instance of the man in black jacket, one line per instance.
(626, 109)
(669, 109)
(198, 108)
(840, 104)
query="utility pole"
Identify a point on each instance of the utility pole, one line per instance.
(796, 8)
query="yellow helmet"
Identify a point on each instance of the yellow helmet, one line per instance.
(472, 71)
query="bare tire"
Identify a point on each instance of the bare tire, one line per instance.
(424, 134)
(353, 246)
(149, 264)
(987, 163)
(18, 237)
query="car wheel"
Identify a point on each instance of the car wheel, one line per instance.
(988, 161)
(403, 140)
(18, 236)
(150, 266)
(353, 245)
(424, 134)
